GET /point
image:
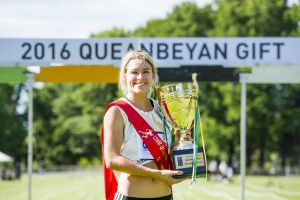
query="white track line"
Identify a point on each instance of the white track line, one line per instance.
(265, 195)
(273, 189)
(214, 193)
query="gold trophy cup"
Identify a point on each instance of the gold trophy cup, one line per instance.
(179, 105)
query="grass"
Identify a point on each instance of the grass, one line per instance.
(88, 185)
(58, 186)
(257, 187)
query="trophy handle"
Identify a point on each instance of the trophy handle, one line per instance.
(158, 91)
(195, 83)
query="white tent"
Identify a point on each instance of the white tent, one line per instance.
(5, 158)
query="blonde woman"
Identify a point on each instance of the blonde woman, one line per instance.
(128, 149)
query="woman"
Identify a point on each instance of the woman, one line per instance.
(124, 146)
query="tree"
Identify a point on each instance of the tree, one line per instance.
(254, 18)
(74, 113)
(114, 32)
(12, 124)
(185, 20)
(259, 18)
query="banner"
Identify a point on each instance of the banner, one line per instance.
(167, 52)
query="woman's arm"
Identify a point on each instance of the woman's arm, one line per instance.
(114, 127)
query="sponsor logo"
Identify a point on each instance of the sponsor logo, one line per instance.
(146, 133)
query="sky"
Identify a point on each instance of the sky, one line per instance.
(78, 18)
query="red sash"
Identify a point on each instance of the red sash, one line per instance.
(154, 143)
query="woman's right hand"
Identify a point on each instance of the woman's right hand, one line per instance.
(176, 139)
(184, 136)
(167, 176)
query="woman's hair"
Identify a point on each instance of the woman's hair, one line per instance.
(139, 55)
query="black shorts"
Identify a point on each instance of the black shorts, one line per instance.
(119, 196)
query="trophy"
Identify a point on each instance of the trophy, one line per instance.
(179, 105)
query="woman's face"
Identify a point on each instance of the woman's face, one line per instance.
(139, 76)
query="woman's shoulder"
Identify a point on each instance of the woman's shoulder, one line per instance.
(113, 112)
(114, 105)
(113, 117)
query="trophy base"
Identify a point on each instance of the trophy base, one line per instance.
(183, 159)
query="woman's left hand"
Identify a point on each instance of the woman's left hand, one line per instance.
(167, 176)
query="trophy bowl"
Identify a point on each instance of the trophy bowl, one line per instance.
(178, 103)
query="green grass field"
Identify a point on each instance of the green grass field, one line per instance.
(88, 185)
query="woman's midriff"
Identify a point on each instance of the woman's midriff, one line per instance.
(141, 186)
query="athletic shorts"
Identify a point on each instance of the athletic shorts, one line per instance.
(119, 196)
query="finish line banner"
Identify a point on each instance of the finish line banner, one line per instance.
(166, 52)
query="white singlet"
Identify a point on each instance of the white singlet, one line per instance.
(133, 147)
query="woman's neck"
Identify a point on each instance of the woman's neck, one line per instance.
(140, 101)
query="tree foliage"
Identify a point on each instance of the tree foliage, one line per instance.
(74, 113)
(185, 20)
(12, 126)
(255, 18)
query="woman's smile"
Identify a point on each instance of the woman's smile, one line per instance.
(139, 84)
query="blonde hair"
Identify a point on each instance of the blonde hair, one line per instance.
(139, 55)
